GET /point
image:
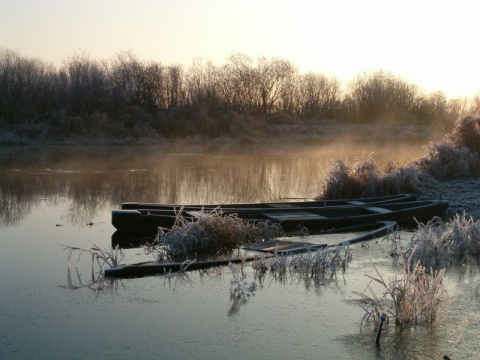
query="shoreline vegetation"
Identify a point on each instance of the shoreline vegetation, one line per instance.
(125, 100)
(450, 171)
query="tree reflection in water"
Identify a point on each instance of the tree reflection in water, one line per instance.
(90, 182)
(93, 180)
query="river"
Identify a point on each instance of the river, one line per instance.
(52, 197)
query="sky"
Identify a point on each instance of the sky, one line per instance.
(433, 44)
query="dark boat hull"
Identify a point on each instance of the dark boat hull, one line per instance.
(163, 267)
(315, 219)
(290, 204)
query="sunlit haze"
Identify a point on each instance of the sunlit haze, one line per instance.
(433, 44)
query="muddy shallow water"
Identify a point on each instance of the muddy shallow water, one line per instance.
(48, 199)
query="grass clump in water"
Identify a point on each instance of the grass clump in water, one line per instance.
(415, 295)
(108, 257)
(410, 298)
(103, 258)
(210, 233)
(321, 263)
(438, 244)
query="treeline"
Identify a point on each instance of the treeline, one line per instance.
(125, 96)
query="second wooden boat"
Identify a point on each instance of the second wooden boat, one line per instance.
(274, 205)
(315, 219)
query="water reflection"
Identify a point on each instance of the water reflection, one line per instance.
(419, 342)
(106, 182)
(80, 185)
(95, 180)
(96, 283)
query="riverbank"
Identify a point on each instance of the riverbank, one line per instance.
(313, 133)
(463, 195)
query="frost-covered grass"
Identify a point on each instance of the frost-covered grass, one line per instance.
(364, 179)
(410, 298)
(106, 257)
(324, 263)
(103, 258)
(437, 244)
(456, 156)
(415, 295)
(211, 232)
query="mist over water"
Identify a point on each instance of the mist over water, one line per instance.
(93, 180)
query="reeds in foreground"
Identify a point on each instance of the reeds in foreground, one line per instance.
(323, 262)
(103, 258)
(319, 263)
(239, 286)
(411, 298)
(438, 244)
(108, 257)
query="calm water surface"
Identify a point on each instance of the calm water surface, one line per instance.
(49, 197)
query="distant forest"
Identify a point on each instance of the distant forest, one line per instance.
(125, 97)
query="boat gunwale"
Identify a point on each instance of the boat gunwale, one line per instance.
(275, 205)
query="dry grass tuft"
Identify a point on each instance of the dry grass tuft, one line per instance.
(108, 257)
(467, 134)
(211, 232)
(437, 244)
(415, 296)
(364, 179)
(456, 156)
(344, 181)
(410, 298)
(321, 263)
(445, 161)
(103, 258)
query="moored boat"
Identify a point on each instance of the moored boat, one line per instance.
(147, 221)
(268, 205)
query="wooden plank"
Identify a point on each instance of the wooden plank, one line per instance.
(162, 267)
(354, 202)
(293, 248)
(378, 209)
(283, 247)
(290, 215)
(261, 245)
(284, 205)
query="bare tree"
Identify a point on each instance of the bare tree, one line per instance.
(318, 96)
(81, 85)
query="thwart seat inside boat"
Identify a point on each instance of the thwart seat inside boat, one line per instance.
(292, 215)
(354, 202)
(377, 209)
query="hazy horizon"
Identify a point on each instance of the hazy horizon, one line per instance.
(426, 43)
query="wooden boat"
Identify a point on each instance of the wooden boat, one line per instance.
(147, 221)
(302, 204)
(163, 267)
(280, 247)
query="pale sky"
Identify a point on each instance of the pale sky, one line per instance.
(434, 44)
